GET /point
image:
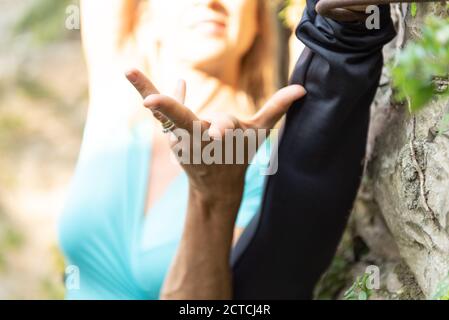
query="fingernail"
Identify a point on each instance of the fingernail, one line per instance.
(147, 102)
(131, 76)
(301, 88)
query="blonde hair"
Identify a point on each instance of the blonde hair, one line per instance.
(258, 65)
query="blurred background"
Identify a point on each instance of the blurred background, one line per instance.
(43, 100)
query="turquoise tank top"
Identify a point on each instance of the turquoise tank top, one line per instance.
(118, 251)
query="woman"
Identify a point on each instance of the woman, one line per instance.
(127, 204)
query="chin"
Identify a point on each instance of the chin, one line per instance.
(206, 56)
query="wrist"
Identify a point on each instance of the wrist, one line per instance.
(227, 197)
(214, 212)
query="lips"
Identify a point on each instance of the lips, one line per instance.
(209, 21)
(218, 23)
(211, 27)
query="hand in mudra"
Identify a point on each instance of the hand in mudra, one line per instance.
(211, 181)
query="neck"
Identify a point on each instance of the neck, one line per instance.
(202, 85)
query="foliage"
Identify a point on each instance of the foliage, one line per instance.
(334, 280)
(359, 290)
(421, 62)
(45, 20)
(10, 240)
(442, 292)
(290, 12)
(413, 9)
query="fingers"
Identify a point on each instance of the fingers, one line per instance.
(142, 84)
(164, 107)
(181, 116)
(359, 8)
(219, 123)
(277, 106)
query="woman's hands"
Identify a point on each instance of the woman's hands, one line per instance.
(201, 269)
(212, 182)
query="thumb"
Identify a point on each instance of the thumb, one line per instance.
(277, 106)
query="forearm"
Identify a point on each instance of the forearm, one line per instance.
(103, 28)
(201, 269)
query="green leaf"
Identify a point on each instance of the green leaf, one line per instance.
(363, 295)
(359, 290)
(413, 9)
(420, 63)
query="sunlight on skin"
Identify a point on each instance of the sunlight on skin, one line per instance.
(200, 269)
(202, 42)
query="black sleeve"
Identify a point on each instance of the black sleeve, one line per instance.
(291, 242)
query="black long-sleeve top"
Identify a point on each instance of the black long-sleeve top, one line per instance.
(292, 240)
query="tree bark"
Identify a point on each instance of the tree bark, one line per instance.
(407, 170)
